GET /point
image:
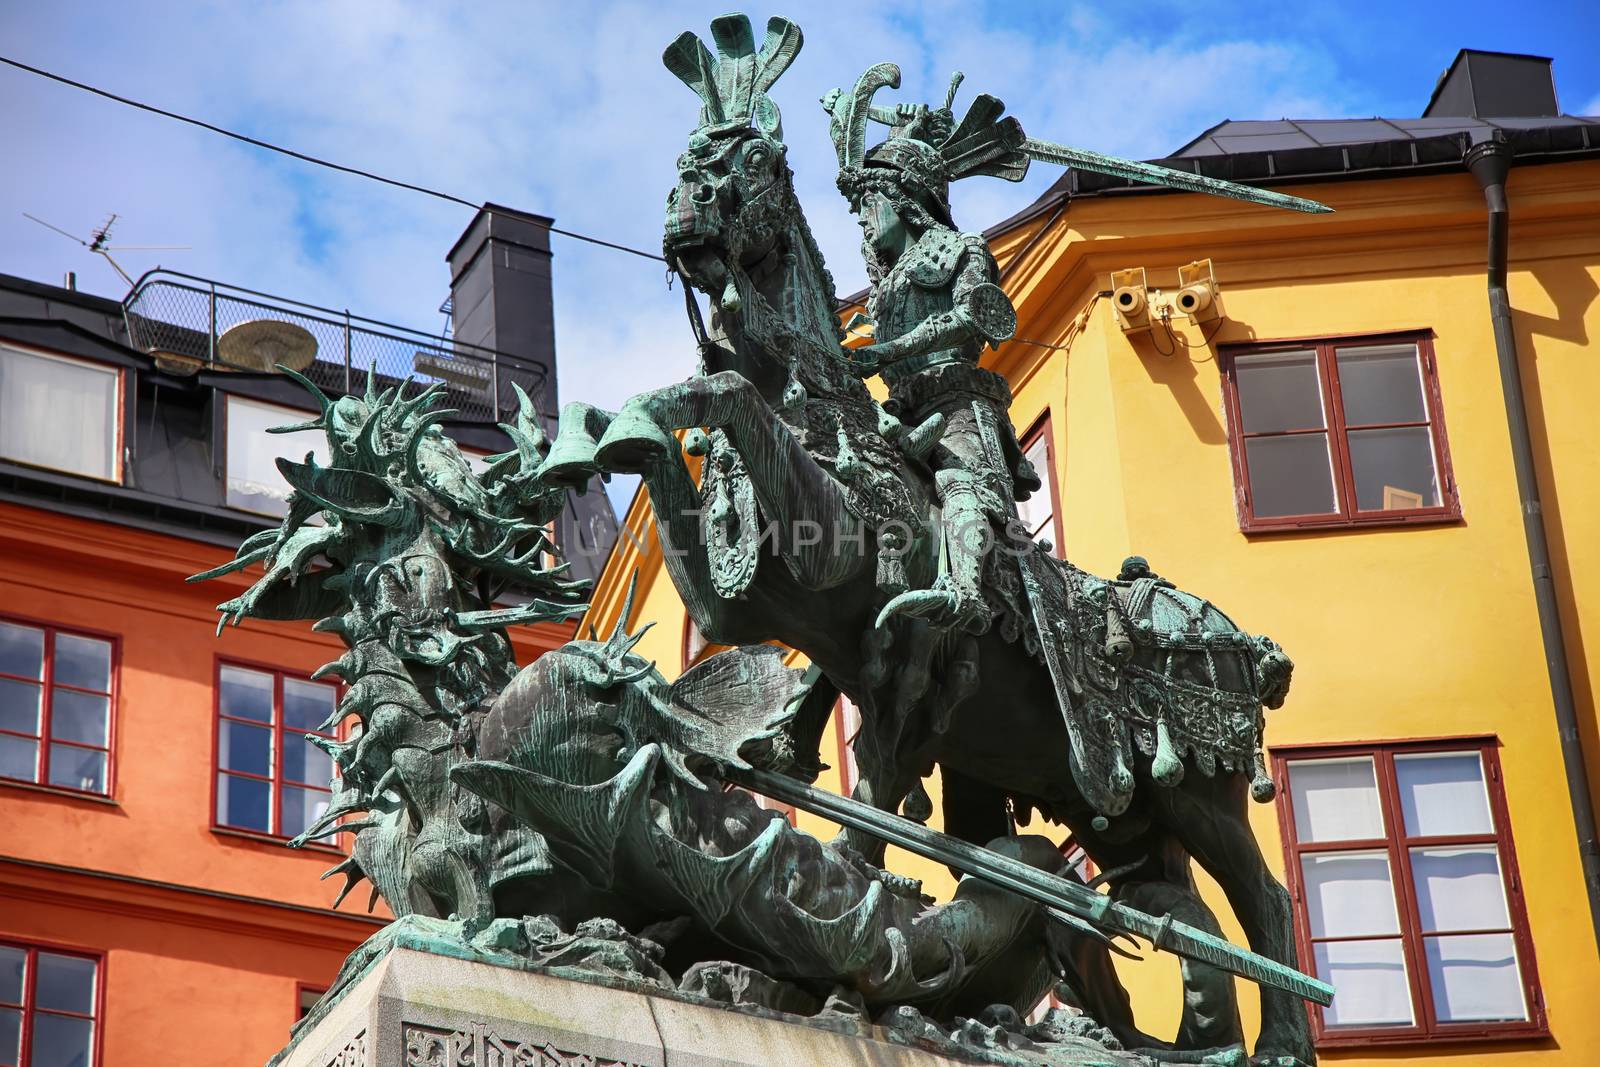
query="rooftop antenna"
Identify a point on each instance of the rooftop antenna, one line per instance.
(99, 243)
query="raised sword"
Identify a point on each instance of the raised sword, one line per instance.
(1042, 887)
(1084, 159)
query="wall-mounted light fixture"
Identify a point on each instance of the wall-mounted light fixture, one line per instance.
(1198, 296)
(1130, 297)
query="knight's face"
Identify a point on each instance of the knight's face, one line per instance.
(885, 230)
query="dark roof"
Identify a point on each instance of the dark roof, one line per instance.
(1516, 92)
(173, 478)
(1235, 137)
(1269, 152)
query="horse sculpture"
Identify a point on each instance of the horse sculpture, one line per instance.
(1091, 701)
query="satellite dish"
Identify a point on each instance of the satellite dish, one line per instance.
(262, 344)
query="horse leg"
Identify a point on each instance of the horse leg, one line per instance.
(675, 500)
(800, 499)
(1210, 1020)
(1209, 816)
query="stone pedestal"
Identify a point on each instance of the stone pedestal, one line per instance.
(417, 1009)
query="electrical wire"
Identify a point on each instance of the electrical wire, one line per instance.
(1205, 340)
(309, 158)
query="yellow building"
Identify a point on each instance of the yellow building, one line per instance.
(1329, 456)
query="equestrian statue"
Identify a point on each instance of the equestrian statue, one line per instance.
(576, 812)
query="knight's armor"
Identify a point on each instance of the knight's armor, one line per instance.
(935, 307)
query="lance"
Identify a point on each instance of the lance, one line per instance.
(1042, 887)
(1084, 159)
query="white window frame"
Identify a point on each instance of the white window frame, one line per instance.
(119, 379)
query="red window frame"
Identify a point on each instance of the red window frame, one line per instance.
(301, 990)
(275, 781)
(29, 1010)
(47, 703)
(1043, 428)
(1397, 842)
(1345, 513)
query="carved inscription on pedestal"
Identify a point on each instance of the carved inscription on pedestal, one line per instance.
(479, 1046)
(354, 1053)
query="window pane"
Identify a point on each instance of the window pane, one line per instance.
(246, 694)
(1459, 888)
(1335, 800)
(78, 768)
(244, 802)
(1369, 982)
(19, 706)
(1279, 391)
(1349, 894)
(84, 662)
(254, 481)
(61, 1041)
(58, 413)
(13, 961)
(10, 1036)
(1443, 793)
(1038, 511)
(1394, 469)
(304, 762)
(19, 758)
(301, 808)
(21, 650)
(1381, 383)
(1475, 978)
(64, 983)
(81, 717)
(1290, 475)
(246, 748)
(306, 704)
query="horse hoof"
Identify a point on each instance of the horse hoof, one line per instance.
(632, 443)
(569, 472)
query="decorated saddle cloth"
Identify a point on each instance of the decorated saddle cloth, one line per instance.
(1138, 662)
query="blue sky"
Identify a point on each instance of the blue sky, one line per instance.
(564, 109)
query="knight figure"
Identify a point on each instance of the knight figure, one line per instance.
(935, 305)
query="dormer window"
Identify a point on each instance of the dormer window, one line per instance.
(254, 481)
(60, 413)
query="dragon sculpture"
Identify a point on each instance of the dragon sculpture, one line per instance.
(576, 814)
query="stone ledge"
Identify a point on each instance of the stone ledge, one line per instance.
(418, 1009)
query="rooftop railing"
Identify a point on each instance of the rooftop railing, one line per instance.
(186, 319)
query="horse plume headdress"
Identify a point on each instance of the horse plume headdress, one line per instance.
(926, 149)
(733, 85)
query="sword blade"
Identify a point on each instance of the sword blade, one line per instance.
(1042, 887)
(1099, 162)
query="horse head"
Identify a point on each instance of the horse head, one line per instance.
(734, 228)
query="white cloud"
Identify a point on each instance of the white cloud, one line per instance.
(561, 109)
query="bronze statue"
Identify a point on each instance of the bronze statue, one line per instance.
(574, 814)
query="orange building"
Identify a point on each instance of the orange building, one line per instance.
(151, 772)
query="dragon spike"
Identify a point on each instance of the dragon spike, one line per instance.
(851, 143)
(370, 395)
(528, 420)
(688, 58)
(617, 633)
(237, 564)
(311, 387)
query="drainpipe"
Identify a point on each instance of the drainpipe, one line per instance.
(1490, 162)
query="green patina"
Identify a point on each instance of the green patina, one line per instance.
(573, 814)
